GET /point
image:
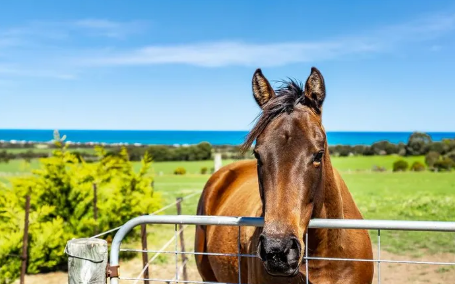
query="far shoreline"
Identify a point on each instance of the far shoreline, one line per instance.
(183, 138)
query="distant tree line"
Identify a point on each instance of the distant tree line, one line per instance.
(418, 144)
(5, 156)
(198, 152)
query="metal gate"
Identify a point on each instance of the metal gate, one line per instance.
(377, 225)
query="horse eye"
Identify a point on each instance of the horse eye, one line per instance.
(256, 155)
(318, 156)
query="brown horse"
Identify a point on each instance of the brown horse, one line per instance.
(291, 182)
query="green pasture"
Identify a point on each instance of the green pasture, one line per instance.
(379, 195)
(355, 163)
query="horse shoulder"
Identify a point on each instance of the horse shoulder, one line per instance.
(237, 180)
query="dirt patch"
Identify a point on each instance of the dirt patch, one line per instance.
(416, 273)
(390, 272)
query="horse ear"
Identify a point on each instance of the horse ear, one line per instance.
(315, 89)
(262, 90)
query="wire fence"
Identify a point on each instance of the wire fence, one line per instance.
(154, 213)
(377, 225)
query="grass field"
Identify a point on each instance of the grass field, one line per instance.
(386, 195)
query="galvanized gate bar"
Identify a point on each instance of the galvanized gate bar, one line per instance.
(436, 226)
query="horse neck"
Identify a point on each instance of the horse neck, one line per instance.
(330, 207)
(333, 201)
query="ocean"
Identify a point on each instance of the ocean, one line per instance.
(194, 137)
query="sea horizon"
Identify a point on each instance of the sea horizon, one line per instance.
(183, 137)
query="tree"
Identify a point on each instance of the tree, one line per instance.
(431, 158)
(418, 144)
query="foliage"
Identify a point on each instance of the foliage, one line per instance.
(61, 193)
(179, 171)
(199, 152)
(446, 164)
(417, 166)
(418, 144)
(400, 166)
(204, 170)
(431, 158)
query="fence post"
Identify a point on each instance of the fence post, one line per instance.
(144, 252)
(95, 207)
(182, 240)
(87, 261)
(25, 240)
(217, 162)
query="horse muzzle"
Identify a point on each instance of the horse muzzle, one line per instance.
(280, 255)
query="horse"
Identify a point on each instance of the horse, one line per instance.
(290, 181)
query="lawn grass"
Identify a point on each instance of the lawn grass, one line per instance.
(19, 166)
(355, 163)
(407, 196)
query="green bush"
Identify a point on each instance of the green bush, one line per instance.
(431, 158)
(204, 170)
(417, 167)
(179, 171)
(400, 166)
(446, 164)
(61, 207)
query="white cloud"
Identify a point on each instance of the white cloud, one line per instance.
(49, 30)
(35, 73)
(225, 53)
(102, 27)
(216, 54)
(40, 49)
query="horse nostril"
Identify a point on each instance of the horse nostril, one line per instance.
(295, 244)
(293, 253)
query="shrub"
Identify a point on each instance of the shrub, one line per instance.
(417, 166)
(368, 151)
(384, 148)
(400, 166)
(179, 171)
(204, 170)
(446, 164)
(451, 155)
(61, 206)
(431, 158)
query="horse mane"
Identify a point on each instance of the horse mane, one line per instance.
(288, 96)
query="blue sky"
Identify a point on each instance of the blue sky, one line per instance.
(187, 65)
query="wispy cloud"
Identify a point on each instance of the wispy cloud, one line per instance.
(41, 48)
(52, 30)
(35, 73)
(47, 49)
(108, 28)
(226, 53)
(216, 54)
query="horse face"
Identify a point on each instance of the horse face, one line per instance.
(290, 165)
